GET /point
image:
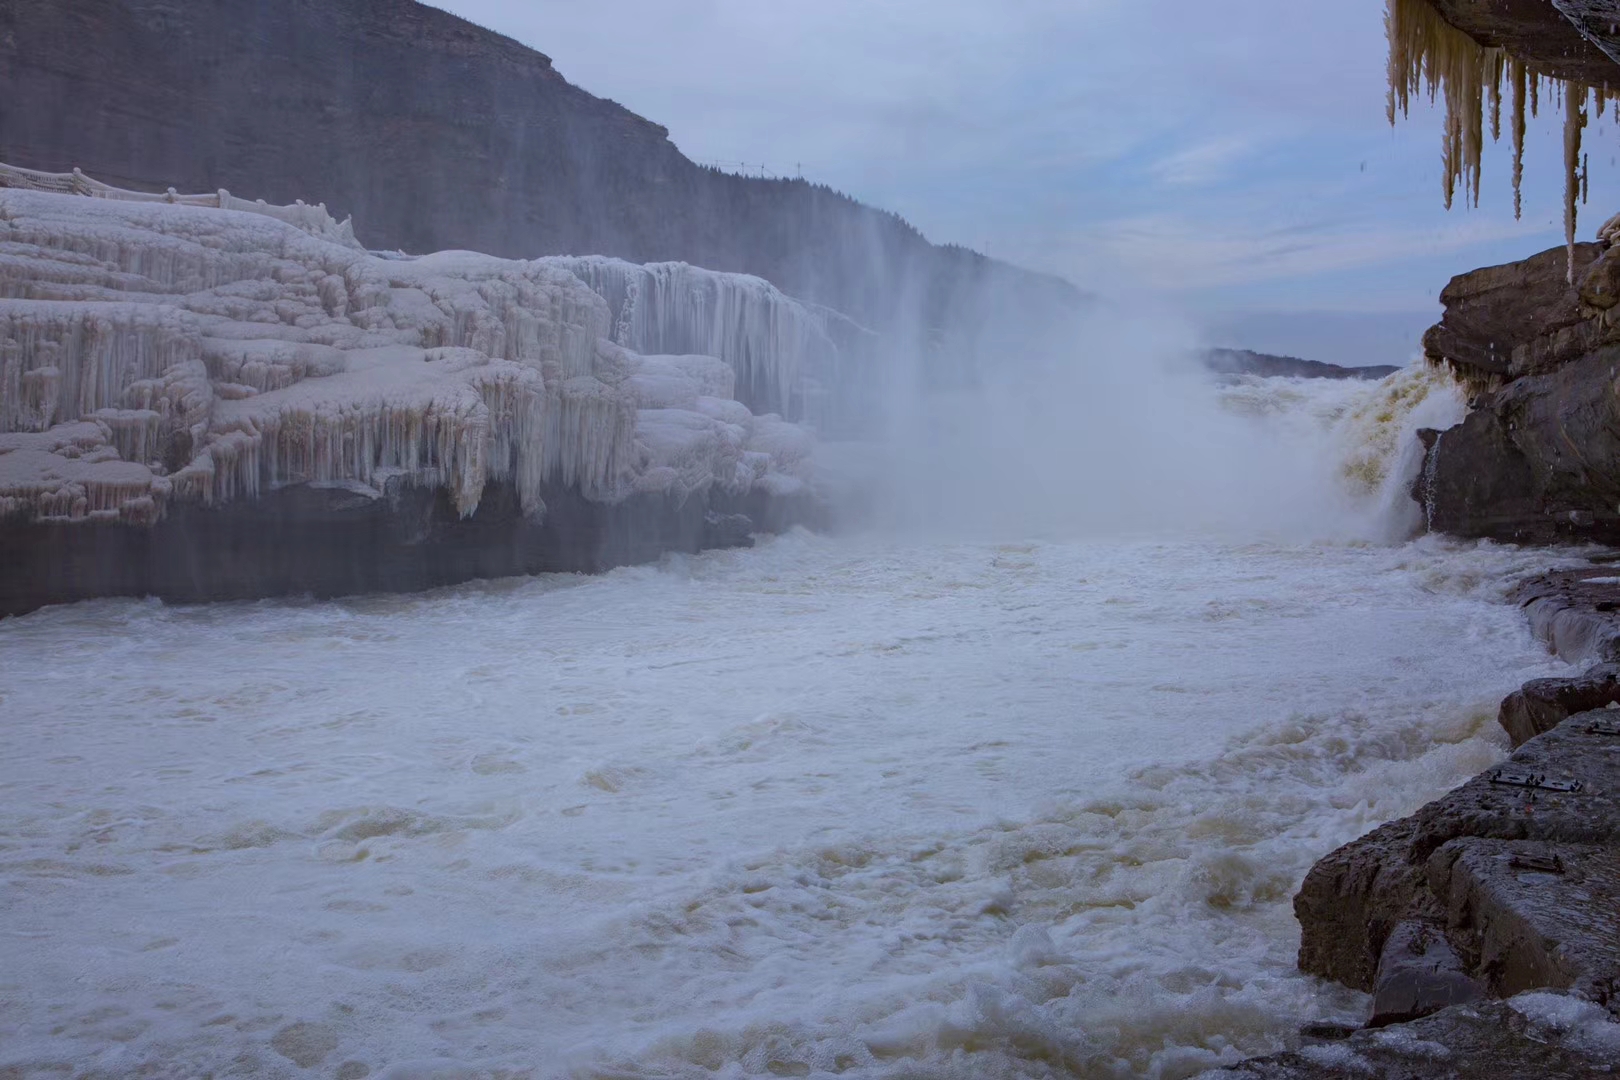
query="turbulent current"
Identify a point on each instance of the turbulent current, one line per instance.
(866, 806)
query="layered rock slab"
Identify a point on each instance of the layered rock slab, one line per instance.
(1542, 704)
(1536, 1037)
(1576, 612)
(1506, 825)
(1537, 459)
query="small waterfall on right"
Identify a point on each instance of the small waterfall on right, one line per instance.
(1380, 453)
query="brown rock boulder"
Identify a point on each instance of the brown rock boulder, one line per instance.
(1542, 704)
(1537, 459)
(1419, 974)
(1559, 788)
(1493, 313)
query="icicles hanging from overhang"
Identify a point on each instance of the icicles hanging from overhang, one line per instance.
(771, 341)
(1427, 54)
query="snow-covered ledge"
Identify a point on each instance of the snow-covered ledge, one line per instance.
(159, 356)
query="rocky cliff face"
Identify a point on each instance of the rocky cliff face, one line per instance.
(1537, 342)
(1538, 457)
(436, 134)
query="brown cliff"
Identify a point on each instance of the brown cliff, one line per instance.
(1537, 459)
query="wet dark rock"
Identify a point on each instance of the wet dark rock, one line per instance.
(1576, 612)
(1537, 33)
(1248, 362)
(1354, 898)
(1540, 915)
(727, 530)
(1542, 704)
(1418, 974)
(1537, 459)
(1485, 1041)
(335, 541)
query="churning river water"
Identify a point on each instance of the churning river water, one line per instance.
(859, 806)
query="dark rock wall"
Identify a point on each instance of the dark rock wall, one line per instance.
(1537, 459)
(331, 542)
(434, 133)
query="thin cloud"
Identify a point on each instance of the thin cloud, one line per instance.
(1203, 164)
(1172, 252)
(1124, 143)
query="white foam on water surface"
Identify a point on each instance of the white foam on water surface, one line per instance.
(854, 807)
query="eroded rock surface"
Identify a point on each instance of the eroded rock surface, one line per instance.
(1561, 788)
(1537, 1037)
(1419, 974)
(1576, 612)
(1537, 459)
(1569, 39)
(1542, 704)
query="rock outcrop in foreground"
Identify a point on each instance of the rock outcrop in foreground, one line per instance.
(200, 403)
(1537, 459)
(1506, 886)
(1537, 1037)
(1501, 868)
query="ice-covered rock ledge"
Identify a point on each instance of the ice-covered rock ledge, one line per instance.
(198, 402)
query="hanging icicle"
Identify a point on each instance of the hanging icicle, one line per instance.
(1428, 54)
(1574, 121)
(1517, 121)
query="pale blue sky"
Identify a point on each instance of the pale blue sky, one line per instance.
(1230, 157)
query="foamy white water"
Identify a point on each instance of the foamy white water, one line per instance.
(825, 807)
(858, 807)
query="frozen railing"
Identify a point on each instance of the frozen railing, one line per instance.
(311, 219)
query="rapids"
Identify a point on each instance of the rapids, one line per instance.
(865, 806)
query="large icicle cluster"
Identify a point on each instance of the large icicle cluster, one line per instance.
(157, 350)
(1428, 54)
(778, 348)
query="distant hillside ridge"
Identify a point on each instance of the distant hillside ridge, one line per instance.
(1249, 362)
(435, 133)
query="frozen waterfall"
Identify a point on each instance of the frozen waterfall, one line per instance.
(786, 356)
(153, 350)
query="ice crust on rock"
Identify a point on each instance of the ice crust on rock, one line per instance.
(311, 219)
(153, 351)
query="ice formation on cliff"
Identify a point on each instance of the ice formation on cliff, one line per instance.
(158, 350)
(780, 350)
